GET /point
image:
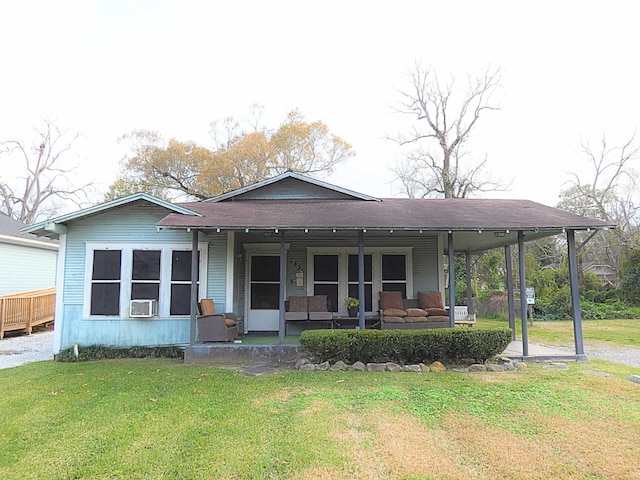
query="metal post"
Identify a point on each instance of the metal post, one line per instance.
(523, 295)
(575, 295)
(471, 308)
(361, 321)
(283, 286)
(452, 283)
(194, 286)
(510, 303)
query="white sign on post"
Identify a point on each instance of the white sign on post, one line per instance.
(531, 296)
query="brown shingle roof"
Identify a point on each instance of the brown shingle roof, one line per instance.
(392, 213)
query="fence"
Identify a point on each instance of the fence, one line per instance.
(25, 310)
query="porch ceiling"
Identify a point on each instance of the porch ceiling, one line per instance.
(477, 224)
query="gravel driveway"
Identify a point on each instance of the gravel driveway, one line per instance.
(20, 349)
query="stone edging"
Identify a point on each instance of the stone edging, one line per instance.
(503, 364)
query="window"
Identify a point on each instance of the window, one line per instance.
(334, 272)
(368, 280)
(394, 274)
(325, 280)
(105, 282)
(116, 274)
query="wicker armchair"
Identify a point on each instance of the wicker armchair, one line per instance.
(215, 327)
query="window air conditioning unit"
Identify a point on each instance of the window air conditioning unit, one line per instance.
(143, 308)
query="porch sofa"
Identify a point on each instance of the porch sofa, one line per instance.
(309, 310)
(426, 311)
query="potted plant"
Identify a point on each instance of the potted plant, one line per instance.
(352, 306)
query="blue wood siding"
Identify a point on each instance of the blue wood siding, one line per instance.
(133, 224)
(24, 268)
(291, 188)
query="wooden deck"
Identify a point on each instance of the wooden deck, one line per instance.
(25, 310)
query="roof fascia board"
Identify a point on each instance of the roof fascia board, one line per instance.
(52, 224)
(28, 242)
(296, 176)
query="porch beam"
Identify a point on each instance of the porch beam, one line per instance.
(283, 286)
(452, 282)
(575, 295)
(511, 305)
(194, 285)
(361, 305)
(523, 295)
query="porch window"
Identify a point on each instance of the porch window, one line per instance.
(394, 274)
(118, 273)
(353, 289)
(181, 282)
(325, 278)
(105, 282)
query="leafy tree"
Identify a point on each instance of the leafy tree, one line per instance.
(171, 169)
(445, 118)
(46, 182)
(630, 281)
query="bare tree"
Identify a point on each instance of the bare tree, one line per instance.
(37, 193)
(445, 118)
(610, 194)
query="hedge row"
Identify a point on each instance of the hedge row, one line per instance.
(406, 346)
(101, 352)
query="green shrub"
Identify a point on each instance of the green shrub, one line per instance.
(101, 352)
(405, 346)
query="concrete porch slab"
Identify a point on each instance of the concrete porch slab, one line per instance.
(540, 353)
(235, 352)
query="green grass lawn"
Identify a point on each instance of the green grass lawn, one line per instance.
(161, 419)
(622, 333)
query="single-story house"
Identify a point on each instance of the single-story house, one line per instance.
(26, 262)
(286, 236)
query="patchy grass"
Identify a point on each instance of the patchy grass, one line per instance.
(622, 333)
(162, 419)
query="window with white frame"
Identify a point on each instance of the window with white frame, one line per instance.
(118, 273)
(334, 272)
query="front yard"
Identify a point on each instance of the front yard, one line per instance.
(161, 419)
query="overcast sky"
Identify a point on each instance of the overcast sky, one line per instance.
(569, 71)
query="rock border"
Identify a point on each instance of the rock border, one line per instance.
(503, 364)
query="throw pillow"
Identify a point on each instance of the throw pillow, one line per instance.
(207, 306)
(437, 312)
(391, 300)
(318, 303)
(297, 304)
(230, 322)
(416, 312)
(430, 300)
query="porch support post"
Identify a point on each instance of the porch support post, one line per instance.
(452, 282)
(575, 295)
(523, 294)
(471, 307)
(361, 322)
(194, 285)
(510, 303)
(283, 286)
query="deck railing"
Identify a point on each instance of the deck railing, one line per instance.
(25, 310)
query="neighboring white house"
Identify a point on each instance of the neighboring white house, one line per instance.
(27, 262)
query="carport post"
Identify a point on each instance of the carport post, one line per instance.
(361, 322)
(510, 303)
(452, 282)
(575, 294)
(194, 285)
(283, 286)
(523, 295)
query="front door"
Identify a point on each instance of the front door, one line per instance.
(264, 291)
